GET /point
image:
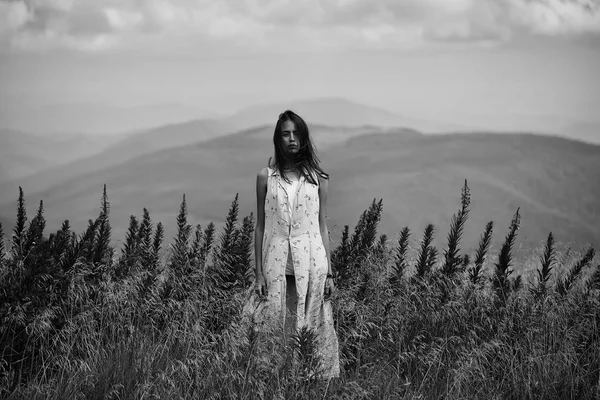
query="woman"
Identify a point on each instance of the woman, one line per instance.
(293, 267)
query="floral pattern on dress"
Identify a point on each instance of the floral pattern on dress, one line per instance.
(295, 227)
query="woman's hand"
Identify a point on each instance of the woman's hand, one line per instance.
(329, 287)
(260, 287)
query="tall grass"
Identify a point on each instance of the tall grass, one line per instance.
(78, 320)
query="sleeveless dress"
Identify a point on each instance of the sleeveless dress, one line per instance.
(295, 226)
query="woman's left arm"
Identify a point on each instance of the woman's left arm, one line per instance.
(323, 188)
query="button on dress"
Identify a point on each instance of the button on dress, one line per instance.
(294, 226)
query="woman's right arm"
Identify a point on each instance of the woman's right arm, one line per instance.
(261, 193)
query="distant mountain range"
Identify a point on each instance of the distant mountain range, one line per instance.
(24, 154)
(51, 155)
(553, 180)
(96, 118)
(100, 157)
(103, 119)
(337, 112)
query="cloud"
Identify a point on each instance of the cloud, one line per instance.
(13, 15)
(557, 17)
(102, 24)
(38, 24)
(123, 20)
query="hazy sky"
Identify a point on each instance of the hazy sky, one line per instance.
(459, 60)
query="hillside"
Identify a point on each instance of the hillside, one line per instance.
(420, 183)
(23, 154)
(148, 129)
(19, 155)
(146, 142)
(129, 147)
(552, 180)
(96, 118)
(588, 131)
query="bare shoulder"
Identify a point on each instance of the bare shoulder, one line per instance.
(323, 182)
(323, 189)
(261, 178)
(263, 173)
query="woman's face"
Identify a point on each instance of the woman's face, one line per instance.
(290, 142)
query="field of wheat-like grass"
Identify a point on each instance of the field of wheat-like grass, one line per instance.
(81, 319)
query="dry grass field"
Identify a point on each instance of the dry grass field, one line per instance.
(83, 318)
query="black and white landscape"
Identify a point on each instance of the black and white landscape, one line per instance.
(462, 139)
(554, 180)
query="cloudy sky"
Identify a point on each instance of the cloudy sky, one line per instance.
(496, 62)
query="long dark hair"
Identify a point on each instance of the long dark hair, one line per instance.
(305, 160)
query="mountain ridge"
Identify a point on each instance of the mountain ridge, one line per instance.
(418, 176)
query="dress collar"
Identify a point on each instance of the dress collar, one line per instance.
(275, 172)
